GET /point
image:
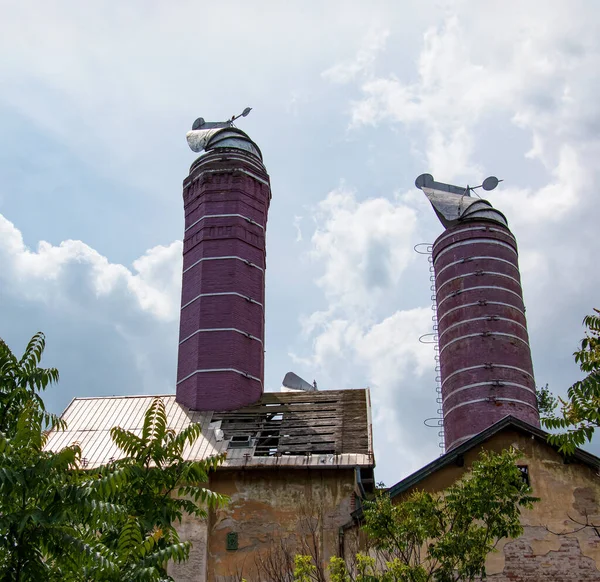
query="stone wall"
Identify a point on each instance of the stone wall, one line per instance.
(528, 559)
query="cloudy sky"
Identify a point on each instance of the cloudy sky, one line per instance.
(351, 102)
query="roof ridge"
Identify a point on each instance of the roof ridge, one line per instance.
(123, 396)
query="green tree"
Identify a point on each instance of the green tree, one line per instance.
(59, 521)
(304, 569)
(546, 401)
(444, 537)
(579, 414)
(21, 381)
(160, 485)
(49, 509)
(153, 485)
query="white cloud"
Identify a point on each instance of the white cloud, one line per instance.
(152, 286)
(551, 203)
(298, 226)
(372, 45)
(363, 250)
(364, 247)
(533, 74)
(110, 329)
(469, 78)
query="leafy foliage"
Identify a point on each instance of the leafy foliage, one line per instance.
(438, 538)
(21, 381)
(160, 486)
(115, 523)
(580, 413)
(49, 508)
(546, 402)
(303, 568)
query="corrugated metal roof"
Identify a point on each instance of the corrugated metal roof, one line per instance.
(318, 429)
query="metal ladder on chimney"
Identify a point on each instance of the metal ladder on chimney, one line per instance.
(433, 338)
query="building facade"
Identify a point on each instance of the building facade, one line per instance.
(295, 464)
(554, 547)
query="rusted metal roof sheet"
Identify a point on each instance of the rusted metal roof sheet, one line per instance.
(331, 428)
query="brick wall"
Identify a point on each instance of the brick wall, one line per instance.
(485, 361)
(221, 351)
(565, 564)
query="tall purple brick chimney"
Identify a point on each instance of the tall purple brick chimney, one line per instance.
(485, 360)
(221, 336)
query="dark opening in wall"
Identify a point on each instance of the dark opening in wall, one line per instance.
(524, 469)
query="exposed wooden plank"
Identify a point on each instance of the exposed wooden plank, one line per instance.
(270, 397)
(300, 449)
(308, 433)
(284, 441)
(282, 408)
(281, 429)
(301, 415)
(296, 422)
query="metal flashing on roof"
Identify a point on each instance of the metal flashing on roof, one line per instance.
(292, 381)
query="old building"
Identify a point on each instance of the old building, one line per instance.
(295, 460)
(295, 463)
(555, 545)
(298, 461)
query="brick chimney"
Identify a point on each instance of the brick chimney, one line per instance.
(221, 336)
(485, 359)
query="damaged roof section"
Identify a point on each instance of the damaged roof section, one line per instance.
(331, 428)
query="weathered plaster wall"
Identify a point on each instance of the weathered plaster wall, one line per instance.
(566, 491)
(195, 531)
(275, 507)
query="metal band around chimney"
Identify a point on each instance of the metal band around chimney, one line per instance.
(489, 383)
(491, 400)
(219, 295)
(484, 334)
(210, 157)
(494, 287)
(478, 274)
(487, 366)
(462, 243)
(466, 305)
(476, 258)
(242, 170)
(232, 257)
(209, 370)
(246, 218)
(443, 237)
(209, 329)
(485, 318)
